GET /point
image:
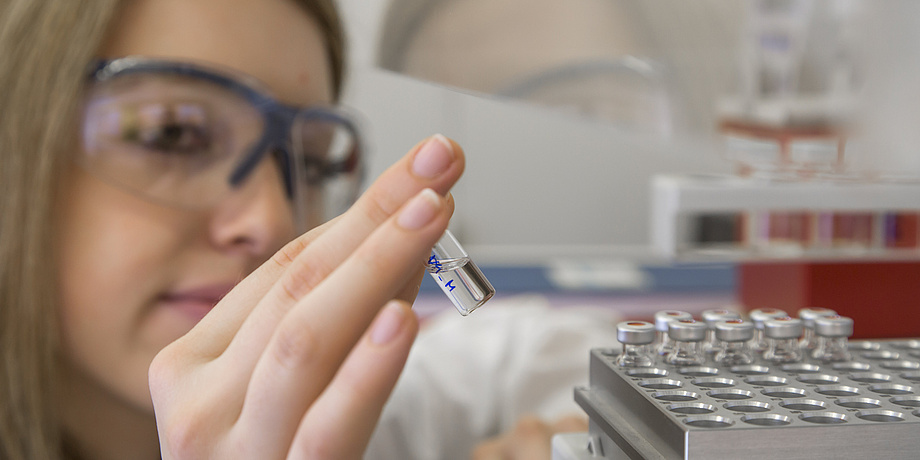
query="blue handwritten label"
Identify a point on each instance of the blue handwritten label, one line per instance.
(436, 264)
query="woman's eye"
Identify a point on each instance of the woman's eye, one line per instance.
(175, 128)
(171, 138)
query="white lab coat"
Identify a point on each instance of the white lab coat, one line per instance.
(470, 378)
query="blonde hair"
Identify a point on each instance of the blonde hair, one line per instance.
(46, 47)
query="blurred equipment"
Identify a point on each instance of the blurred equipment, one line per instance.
(824, 203)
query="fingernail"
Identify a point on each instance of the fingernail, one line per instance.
(388, 323)
(420, 210)
(434, 157)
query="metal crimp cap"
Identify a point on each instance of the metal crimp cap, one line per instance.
(782, 328)
(687, 330)
(759, 315)
(834, 326)
(662, 318)
(734, 330)
(711, 317)
(809, 315)
(635, 332)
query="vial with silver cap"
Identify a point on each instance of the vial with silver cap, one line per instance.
(782, 340)
(711, 317)
(734, 338)
(758, 316)
(636, 337)
(457, 275)
(808, 317)
(663, 343)
(688, 336)
(832, 333)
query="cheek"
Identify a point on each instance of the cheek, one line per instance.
(114, 253)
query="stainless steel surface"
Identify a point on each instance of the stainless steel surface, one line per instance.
(635, 332)
(662, 318)
(734, 330)
(687, 330)
(782, 328)
(760, 411)
(834, 326)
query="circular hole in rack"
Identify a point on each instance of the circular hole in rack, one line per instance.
(691, 408)
(916, 413)
(870, 377)
(880, 415)
(891, 389)
(748, 406)
(852, 366)
(915, 353)
(818, 379)
(713, 382)
(837, 390)
(907, 344)
(864, 346)
(827, 418)
(698, 371)
(880, 354)
(859, 403)
(801, 368)
(901, 365)
(784, 392)
(803, 404)
(647, 372)
(914, 376)
(730, 393)
(675, 395)
(766, 419)
(660, 384)
(750, 369)
(912, 401)
(708, 421)
(766, 380)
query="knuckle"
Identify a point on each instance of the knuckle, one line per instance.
(378, 206)
(295, 347)
(303, 276)
(164, 371)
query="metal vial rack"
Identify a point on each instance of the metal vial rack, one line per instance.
(865, 408)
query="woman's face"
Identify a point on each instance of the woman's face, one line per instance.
(136, 275)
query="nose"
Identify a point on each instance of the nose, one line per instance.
(256, 219)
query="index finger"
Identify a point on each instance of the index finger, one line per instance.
(435, 163)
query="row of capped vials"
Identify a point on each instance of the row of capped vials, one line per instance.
(727, 339)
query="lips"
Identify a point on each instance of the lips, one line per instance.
(196, 302)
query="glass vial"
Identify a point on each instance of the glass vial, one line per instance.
(758, 316)
(636, 337)
(711, 317)
(808, 317)
(782, 340)
(734, 338)
(663, 343)
(832, 333)
(457, 275)
(688, 336)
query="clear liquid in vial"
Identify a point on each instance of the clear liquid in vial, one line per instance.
(462, 281)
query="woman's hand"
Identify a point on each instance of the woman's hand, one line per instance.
(298, 360)
(530, 439)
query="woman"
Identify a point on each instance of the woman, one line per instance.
(117, 239)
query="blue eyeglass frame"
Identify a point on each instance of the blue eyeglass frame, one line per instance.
(279, 117)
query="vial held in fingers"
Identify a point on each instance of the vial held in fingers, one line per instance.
(458, 276)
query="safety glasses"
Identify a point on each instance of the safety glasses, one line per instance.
(187, 135)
